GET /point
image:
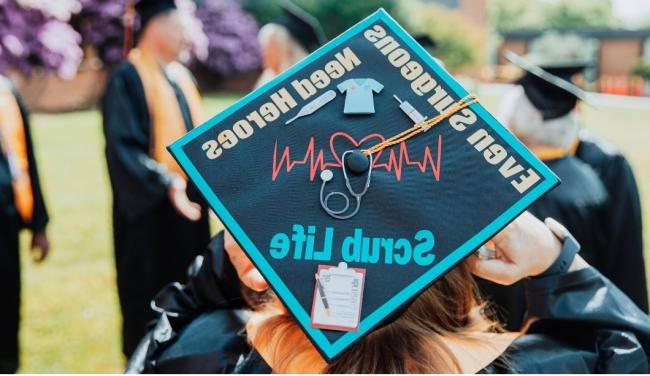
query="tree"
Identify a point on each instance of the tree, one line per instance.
(561, 14)
(578, 13)
(642, 69)
(335, 16)
(456, 50)
(513, 14)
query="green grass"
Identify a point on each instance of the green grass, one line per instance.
(70, 311)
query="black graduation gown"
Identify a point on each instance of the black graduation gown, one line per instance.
(10, 225)
(583, 324)
(154, 244)
(622, 227)
(579, 203)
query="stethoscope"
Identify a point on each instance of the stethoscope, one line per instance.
(327, 175)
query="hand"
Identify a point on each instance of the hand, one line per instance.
(182, 204)
(40, 246)
(524, 248)
(247, 272)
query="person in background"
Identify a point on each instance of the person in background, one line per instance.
(288, 40)
(622, 224)
(541, 110)
(21, 206)
(160, 223)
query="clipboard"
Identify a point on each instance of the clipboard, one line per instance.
(343, 288)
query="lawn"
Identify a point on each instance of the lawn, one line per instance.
(70, 311)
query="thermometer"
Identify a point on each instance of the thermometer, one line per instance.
(314, 105)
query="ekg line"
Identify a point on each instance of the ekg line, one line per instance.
(398, 158)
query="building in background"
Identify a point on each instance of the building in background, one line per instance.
(617, 52)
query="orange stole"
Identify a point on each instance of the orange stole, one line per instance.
(167, 124)
(14, 145)
(557, 153)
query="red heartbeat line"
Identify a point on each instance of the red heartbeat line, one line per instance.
(398, 158)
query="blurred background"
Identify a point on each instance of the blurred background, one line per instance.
(59, 54)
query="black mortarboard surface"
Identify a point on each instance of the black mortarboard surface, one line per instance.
(430, 201)
(148, 9)
(302, 26)
(549, 87)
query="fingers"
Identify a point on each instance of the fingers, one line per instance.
(513, 227)
(181, 202)
(189, 209)
(496, 270)
(253, 279)
(40, 247)
(40, 255)
(526, 247)
(502, 235)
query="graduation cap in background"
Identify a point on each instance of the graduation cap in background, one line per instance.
(426, 41)
(302, 26)
(146, 10)
(549, 72)
(347, 228)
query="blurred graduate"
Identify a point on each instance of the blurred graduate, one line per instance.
(288, 40)
(598, 199)
(21, 206)
(159, 223)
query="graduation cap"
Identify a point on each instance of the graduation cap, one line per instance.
(548, 83)
(358, 177)
(425, 41)
(148, 9)
(302, 26)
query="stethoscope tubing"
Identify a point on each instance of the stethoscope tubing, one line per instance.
(326, 176)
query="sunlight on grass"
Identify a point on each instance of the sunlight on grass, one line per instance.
(70, 312)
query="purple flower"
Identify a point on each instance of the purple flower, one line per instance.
(100, 24)
(32, 37)
(232, 37)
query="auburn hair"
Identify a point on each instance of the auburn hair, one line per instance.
(413, 343)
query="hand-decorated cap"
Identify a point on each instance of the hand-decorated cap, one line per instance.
(358, 177)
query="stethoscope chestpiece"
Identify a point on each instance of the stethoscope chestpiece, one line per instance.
(358, 163)
(326, 175)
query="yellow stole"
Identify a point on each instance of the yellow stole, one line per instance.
(14, 144)
(167, 124)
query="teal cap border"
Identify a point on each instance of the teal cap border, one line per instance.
(327, 349)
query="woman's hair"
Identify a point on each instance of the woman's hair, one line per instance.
(451, 309)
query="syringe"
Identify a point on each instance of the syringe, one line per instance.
(410, 111)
